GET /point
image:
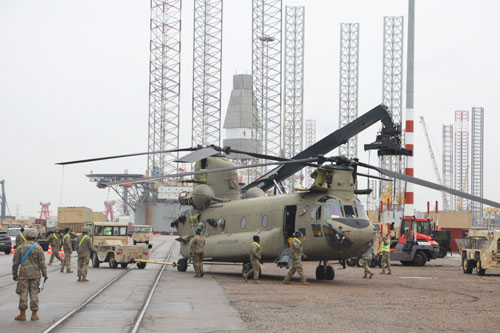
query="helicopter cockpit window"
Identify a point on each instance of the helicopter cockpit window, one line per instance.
(349, 211)
(333, 209)
(243, 222)
(265, 220)
(360, 210)
(222, 224)
(316, 213)
(316, 230)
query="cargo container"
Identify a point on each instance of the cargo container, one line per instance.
(98, 217)
(74, 214)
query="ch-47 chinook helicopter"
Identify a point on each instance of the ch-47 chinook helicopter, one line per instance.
(328, 213)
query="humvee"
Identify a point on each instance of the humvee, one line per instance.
(142, 234)
(111, 241)
(479, 250)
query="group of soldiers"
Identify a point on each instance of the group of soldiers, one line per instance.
(28, 265)
(385, 250)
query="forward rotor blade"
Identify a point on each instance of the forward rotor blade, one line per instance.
(198, 155)
(126, 155)
(428, 184)
(372, 176)
(192, 173)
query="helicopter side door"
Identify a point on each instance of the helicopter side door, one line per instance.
(289, 223)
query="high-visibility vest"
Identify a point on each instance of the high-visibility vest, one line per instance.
(385, 248)
(67, 235)
(256, 244)
(22, 236)
(81, 240)
(298, 240)
(55, 236)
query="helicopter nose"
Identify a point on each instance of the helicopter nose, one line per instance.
(336, 238)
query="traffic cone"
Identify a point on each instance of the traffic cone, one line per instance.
(11, 248)
(50, 250)
(62, 252)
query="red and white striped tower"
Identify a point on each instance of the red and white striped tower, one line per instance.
(408, 211)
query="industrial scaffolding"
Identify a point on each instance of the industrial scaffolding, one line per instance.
(348, 95)
(462, 156)
(392, 90)
(310, 136)
(164, 85)
(294, 86)
(266, 72)
(447, 165)
(477, 163)
(207, 71)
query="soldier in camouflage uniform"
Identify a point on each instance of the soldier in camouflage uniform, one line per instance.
(297, 255)
(255, 257)
(20, 238)
(367, 260)
(67, 251)
(28, 278)
(84, 249)
(197, 246)
(55, 243)
(385, 249)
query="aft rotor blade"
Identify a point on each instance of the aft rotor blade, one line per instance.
(199, 172)
(126, 155)
(428, 184)
(372, 176)
(198, 155)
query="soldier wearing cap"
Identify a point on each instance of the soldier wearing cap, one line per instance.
(20, 238)
(255, 257)
(197, 246)
(84, 249)
(28, 266)
(297, 255)
(55, 243)
(385, 249)
(68, 250)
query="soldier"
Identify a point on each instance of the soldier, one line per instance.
(367, 260)
(85, 248)
(31, 259)
(55, 243)
(385, 249)
(297, 255)
(255, 257)
(20, 239)
(67, 251)
(197, 245)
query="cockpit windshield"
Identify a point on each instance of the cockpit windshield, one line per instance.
(360, 210)
(333, 209)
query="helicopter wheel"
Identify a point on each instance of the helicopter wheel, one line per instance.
(329, 273)
(182, 265)
(320, 272)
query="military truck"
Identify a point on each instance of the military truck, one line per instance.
(142, 234)
(479, 250)
(111, 241)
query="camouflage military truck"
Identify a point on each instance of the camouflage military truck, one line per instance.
(479, 250)
(111, 242)
(142, 234)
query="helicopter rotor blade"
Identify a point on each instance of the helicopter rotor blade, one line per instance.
(192, 173)
(375, 177)
(126, 155)
(429, 184)
(198, 155)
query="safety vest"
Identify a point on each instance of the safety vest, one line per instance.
(81, 240)
(298, 240)
(67, 235)
(22, 236)
(385, 248)
(55, 236)
(256, 244)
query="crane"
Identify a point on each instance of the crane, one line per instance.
(434, 164)
(4, 201)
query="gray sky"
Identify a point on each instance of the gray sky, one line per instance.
(74, 80)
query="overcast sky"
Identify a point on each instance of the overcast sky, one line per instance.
(74, 80)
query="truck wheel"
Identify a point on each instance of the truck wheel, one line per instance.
(141, 265)
(351, 262)
(320, 272)
(124, 264)
(182, 265)
(467, 266)
(329, 273)
(112, 261)
(95, 260)
(7, 252)
(479, 269)
(420, 259)
(246, 268)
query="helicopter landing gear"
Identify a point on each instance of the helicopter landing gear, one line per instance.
(324, 272)
(182, 265)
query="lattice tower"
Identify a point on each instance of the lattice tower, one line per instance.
(392, 90)
(310, 138)
(477, 163)
(348, 101)
(447, 165)
(266, 71)
(207, 71)
(164, 84)
(294, 86)
(462, 156)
